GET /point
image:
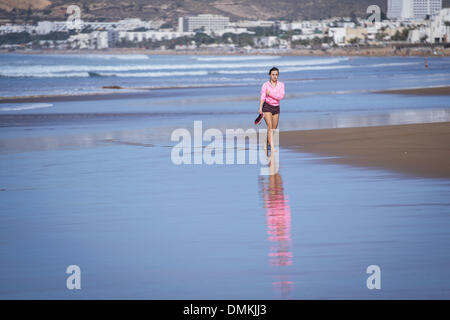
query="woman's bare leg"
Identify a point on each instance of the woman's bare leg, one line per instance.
(268, 119)
(275, 118)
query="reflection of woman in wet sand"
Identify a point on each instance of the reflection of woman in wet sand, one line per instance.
(278, 219)
(278, 215)
(272, 92)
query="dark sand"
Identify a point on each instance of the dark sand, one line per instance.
(148, 92)
(117, 92)
(417, 149)
(75, 97)
(434, 91)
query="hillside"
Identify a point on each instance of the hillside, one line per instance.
(170, 10)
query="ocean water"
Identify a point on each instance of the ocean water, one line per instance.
(224, 90)
(92, 183)
(28, 74)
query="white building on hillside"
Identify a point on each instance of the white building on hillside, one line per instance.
(205, 22)
(439, 31)
(307, 27)
(94, 40)
(394, 9)
(10, 28)
(436, 30)
(338, 35)
(252, 24)
(45, 27)
(271, 41)
(233, 30)
(412, 9)
(139, 36)
(310, 36)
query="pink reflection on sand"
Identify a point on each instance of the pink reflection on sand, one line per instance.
(283, 287)
(278, 215)
(278, 218)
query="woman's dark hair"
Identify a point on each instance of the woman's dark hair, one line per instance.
(274, 69)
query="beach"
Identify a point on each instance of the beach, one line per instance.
(432, 91)
(146, 92)
(417, 149)
(88, 178)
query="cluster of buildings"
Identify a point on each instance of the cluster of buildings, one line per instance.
(46, 27)
(412, 9)
(436, 30)
(425, 21)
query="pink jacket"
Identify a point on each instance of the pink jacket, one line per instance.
(275, 94)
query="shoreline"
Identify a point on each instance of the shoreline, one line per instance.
(354, 52)
(119, 93)
(115, 93)
(429, 91)
(413, 149)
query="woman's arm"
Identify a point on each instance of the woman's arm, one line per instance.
(263, 97)
(261, 102)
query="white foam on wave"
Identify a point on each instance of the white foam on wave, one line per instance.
(147, 70)
(394, 64)
(292, 69)
(54, 71)
(143, 71)
(288, 69)
(46, 75)
(155, 74)
(110, 56)
(27, 107)
(315, 67)
(239, 58)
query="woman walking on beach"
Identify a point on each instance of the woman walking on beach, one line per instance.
(272, 92)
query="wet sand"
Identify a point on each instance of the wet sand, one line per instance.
(417, 149)
(118, 92)
(432, 91)
(148, 92)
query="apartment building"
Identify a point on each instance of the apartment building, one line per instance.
(206, 22)
(412, 9)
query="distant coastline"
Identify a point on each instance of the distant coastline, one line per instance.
(363, 52)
